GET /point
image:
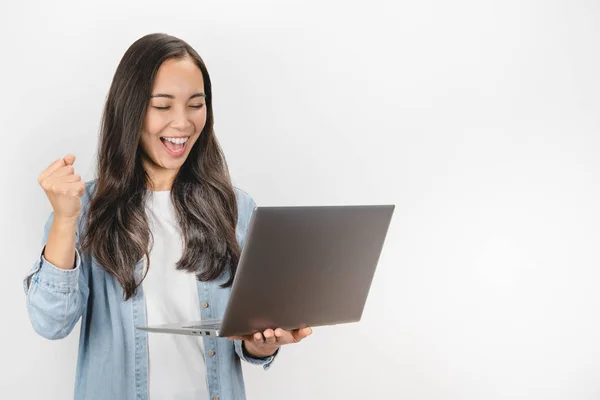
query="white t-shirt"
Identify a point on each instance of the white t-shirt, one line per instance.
(177, 366)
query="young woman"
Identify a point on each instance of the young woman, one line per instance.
(155, 239)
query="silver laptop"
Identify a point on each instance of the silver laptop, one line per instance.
(300, 266)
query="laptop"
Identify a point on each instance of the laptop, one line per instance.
(301, 266)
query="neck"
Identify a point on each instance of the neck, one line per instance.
(161, 182)
(160, 179)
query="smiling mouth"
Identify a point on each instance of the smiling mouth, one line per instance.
(175, 146)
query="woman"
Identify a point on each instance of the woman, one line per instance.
(155, 239)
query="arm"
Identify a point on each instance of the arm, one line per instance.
(244, 355)
(246, 206)
(61, 243)
(262, 347)
(56, 292)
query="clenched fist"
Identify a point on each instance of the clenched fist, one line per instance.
(63, 188)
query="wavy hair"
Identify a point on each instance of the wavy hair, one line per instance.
(117, 231)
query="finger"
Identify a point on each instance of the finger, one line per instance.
(247, 337)
(284, 337)
(69, 159)
(280, 334)
(75, 189)
(81, 190)
(55, 183)
(63, 171)
(269, 335)
(300, 334)
(258, 338)
(70, 178)
(51, 168)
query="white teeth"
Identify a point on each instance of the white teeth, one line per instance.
(176, 140)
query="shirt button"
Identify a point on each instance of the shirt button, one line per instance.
(211, 353)
(205, 305)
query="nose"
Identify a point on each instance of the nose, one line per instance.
(180, 121)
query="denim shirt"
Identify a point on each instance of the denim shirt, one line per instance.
(113, 354)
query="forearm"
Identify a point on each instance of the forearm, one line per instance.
(60, 247)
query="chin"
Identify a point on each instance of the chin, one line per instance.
(173, 165)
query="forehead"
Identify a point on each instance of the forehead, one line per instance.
(179, 77)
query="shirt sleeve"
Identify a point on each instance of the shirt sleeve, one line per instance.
(55, 297)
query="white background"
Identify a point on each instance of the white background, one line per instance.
(478, 119)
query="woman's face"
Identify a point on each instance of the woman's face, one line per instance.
(174, 119)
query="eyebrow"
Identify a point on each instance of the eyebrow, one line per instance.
(170, 96)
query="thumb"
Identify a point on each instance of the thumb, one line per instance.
(69, 159)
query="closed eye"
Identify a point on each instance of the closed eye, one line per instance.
(167, 107)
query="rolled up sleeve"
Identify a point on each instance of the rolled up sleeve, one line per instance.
(244, 356)
(55, 297)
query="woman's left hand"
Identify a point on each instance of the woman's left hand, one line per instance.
(265, 344)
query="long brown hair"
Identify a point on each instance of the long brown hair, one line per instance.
(117, 231)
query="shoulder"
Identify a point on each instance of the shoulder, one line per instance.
(245, 206)
(90, 188)
(244, 200)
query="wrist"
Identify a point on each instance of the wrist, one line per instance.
(65, 222)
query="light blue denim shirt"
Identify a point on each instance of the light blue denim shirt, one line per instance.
(113, 355)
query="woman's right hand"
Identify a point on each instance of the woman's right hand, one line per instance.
(63, 188)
